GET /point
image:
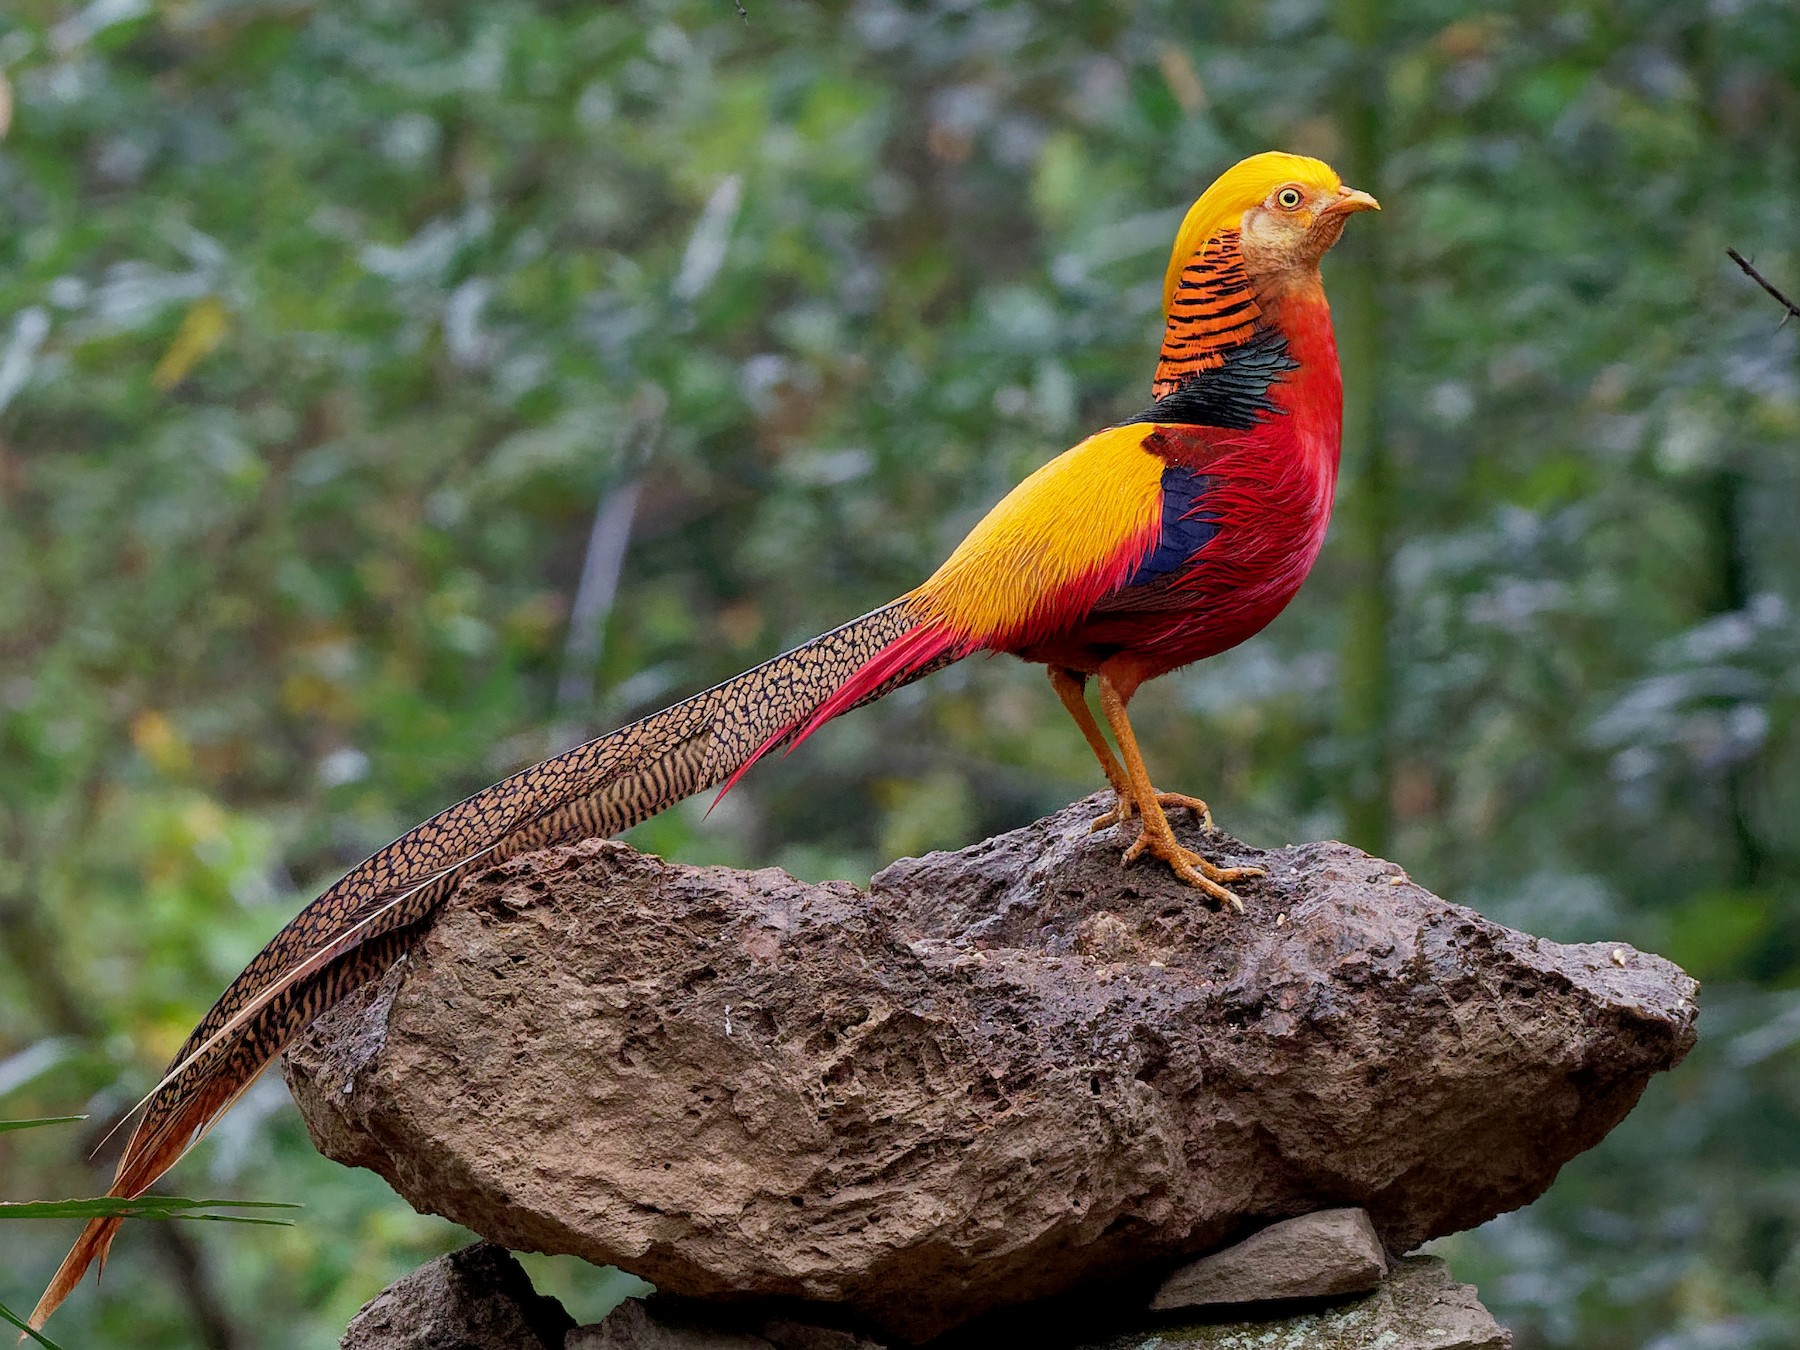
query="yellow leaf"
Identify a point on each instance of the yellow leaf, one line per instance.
(201, 331)
(204, 820)
(1181, 77)
(157, 741)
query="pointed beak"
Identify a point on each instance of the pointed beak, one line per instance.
(1351, 200)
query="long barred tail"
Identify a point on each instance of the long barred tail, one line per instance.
(355, 930)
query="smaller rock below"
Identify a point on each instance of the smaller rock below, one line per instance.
(1418, 1307)
(632, 1326)
(668, 1324)
(1321, 1255)
(478, 1298)
(786, 1335)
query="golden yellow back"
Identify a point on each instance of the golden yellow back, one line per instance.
(1053, 544)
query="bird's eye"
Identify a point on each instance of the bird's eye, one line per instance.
(1288, 199)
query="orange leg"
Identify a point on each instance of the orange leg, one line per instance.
(1155, 837)
(1071, 686)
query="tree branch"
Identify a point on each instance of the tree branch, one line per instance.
(1793, 310)
(599, 584)
(188, 1266)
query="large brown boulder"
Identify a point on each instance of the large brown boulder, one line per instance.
(994, 1076)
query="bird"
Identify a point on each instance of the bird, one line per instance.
(1166, 538)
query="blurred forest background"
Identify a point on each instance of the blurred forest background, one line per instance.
(340, 341)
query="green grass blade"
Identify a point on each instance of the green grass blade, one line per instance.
(144, 1207)
(6, 1125)
(7, 1314)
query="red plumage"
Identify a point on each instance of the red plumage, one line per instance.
(1269, 491)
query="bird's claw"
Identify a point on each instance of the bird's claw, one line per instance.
(1121, 811)
(1190, 867)
(1124, 807)
(1169, 801)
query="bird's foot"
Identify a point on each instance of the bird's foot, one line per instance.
(1124, 807)
(1188, 865)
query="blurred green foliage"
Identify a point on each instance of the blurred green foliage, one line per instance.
(325, 329)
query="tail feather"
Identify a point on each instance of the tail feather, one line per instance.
(154, 1148)
(913, 654)
(356, 929)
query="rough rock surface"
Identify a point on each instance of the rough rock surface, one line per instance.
(478, 1298)
(1418, 1307)
(1335, 1251)
(996, 1075)
(639, 1325)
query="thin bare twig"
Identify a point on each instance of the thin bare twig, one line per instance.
(599, 584)
(594, 594)
(1793, 310)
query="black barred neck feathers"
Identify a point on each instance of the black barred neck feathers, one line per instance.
(1213, 309)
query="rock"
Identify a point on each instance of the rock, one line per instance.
(1419, 1307)
(478, 1298)
(637, 1324)
(632, 1326)
(1318, 1255)
(996, 1076)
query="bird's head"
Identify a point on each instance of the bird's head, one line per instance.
(1288, 209)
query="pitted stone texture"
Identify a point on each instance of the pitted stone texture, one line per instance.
(1418, 1307)
(996, 1076)
(1318, 1255)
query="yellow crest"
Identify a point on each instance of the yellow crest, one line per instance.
(1242, 186)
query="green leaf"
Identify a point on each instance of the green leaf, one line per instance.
(32, 1124)
(7, 1314)
(143, 1207)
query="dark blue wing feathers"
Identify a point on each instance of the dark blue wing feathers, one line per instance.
(1186, 525)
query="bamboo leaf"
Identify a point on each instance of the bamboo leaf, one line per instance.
(33, 1123)
(8, 1315)
(143, 1207)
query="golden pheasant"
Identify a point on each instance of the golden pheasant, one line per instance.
(1167, 538)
